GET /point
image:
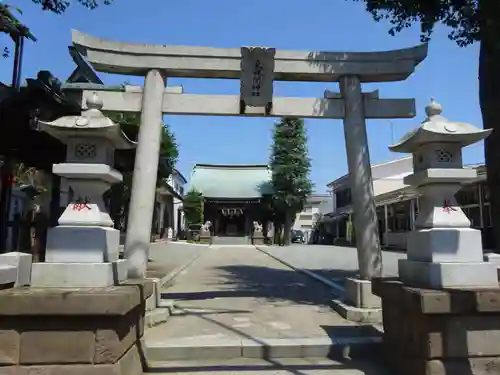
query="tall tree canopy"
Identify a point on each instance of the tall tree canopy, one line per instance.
(469, 21)
(290, 166)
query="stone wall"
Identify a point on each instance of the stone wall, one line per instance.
(440, 332)
(73, 331)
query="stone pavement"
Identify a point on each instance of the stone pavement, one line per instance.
(302, 366)
(331, 261)
(239, 292)
(172, 255)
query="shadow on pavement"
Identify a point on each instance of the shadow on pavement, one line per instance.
(273, 284)
(340, 332)
(240, 281)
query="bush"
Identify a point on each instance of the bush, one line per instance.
(193, 208)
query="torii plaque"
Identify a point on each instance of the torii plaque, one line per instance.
(257, 75)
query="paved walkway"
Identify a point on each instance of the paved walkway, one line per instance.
(239, 292)
(331, 261)
(309, 366)
(169, 256)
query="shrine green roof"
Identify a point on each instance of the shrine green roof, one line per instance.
(231, 181)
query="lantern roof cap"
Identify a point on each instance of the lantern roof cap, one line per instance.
(438, 129)
(91, 123)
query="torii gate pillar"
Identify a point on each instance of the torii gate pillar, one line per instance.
(145, 174)
(361, 183)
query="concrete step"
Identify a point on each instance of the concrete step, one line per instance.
(205, 348)
(242, 240)
(247, 366)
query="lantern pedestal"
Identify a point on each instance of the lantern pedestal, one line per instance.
(95, 244)
(441, 316)
(447, 275)
(446, 257)
(445, 245)
(443, 251)
(79, 275)
(82, 251)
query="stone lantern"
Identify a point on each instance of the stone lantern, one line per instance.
(83, 250)
(443, 251)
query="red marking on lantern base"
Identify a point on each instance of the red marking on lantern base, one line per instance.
(447, 207)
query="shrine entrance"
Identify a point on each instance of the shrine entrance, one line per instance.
(232, 218)
(232, 222)
(257, 69)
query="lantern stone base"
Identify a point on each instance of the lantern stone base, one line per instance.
(447, 275)
(445, 245)
(79, 275)
(20, 263)
(438, 332)
(82, 244)
(73, 331)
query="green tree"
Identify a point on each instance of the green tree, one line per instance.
(119, 194)
(11, 25)
(290, 167)
(60, 6)
(193, 207)
(469, 21)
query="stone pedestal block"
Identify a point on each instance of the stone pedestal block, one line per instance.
(445, 245)
(492, 258)
(359, 294)
(258, 239)
(82, 244)
(440, 332)
(205, 237)
(79, 275)
(8, 275)
(73, 331)
(447, 275)
(22, 263)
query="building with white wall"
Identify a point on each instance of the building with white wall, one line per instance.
(388, 188)
(169, 206)
(316, 205)
(398, 204)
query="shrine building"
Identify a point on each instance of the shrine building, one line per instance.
(235, 196)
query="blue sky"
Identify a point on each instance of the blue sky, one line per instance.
(449, 73)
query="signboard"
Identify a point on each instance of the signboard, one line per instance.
(257, 74)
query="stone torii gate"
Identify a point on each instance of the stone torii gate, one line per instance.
(257, 68)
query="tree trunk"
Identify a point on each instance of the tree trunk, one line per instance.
(489, 99)
(276, 234)
(287, 230)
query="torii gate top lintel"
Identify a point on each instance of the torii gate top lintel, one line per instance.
(209, 62)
